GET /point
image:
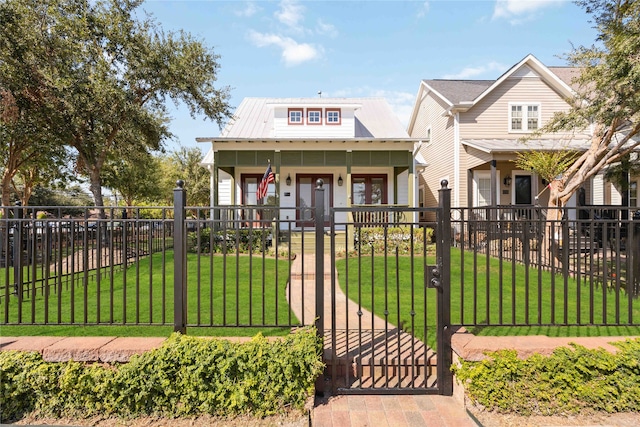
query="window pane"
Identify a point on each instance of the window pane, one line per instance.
(516, 117)
(359, 191)
(377, 191)
(250, 189)
(633, 194)
(484, 191)
(532, 117)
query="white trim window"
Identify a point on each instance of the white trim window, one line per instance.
(482, 188)
(314, 116)
(295, 116)
(633, 194)
(524, 117)
(333, 116)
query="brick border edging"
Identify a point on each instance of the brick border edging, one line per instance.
(472, 348)
(91, 349)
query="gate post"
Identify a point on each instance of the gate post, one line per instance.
(319, 223)
(17, 254)
(443, 253)
(179, 259)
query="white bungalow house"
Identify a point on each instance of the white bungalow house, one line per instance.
(357, 146)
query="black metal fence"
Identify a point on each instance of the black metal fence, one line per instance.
(548, 267)
(510, 265)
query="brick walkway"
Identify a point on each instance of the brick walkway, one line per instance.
(369, 410)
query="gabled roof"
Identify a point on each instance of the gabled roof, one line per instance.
(461, 95)
(253, 119)
(457, 91)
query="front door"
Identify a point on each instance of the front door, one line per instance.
(305, 190)
(523, 194)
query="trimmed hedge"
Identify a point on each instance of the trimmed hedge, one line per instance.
(187, 376)
(571, 380)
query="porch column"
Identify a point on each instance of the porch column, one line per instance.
(494, 192)
(215, 200)
(469, 188)
(277, 161)
(348, 180)
(411, 187)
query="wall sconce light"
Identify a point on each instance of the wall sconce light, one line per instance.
(507, 181)
(288, 180)
(340, 181)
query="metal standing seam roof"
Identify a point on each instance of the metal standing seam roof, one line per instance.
(253, 119)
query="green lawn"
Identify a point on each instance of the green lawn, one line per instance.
(238, 292)
(497, 294)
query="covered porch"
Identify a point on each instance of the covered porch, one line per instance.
(360, 173)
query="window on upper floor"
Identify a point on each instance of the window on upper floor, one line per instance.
(295, 116)
(633, 194)
(333, 116)
(314, 116)
(524, 117)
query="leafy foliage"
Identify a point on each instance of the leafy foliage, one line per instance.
(571, 380)
(95, 75)
(381, 239)
(187, 376)
(246, 240)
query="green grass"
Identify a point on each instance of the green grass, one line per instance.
(233, 295)
(489, 294)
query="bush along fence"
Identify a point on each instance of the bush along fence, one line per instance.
(187, 376)
(188, 267)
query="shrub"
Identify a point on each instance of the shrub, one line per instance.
(244, 240)
(187, 376)
(402, 238)
(570, 380)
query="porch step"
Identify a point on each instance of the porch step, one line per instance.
(306, 241)
(379, 360)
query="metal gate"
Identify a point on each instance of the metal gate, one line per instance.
(389, 327)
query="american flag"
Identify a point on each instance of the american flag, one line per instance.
(264, 183)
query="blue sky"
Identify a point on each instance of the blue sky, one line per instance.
(293, 48)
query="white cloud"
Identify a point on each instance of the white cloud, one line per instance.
(424, 9)
(401, 103)
(518, 11)
(248, 11)
(470, 72)
(293, 53)
(290, 14)
(326, 29)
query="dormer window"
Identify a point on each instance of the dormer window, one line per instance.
(295, 116)
(333, 116)
(314, 116)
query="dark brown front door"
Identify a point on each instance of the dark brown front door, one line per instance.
(306, 198)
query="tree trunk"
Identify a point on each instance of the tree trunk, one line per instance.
(552, 239)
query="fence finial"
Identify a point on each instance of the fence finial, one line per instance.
(444, 183)
(180, 183)
(319, 183)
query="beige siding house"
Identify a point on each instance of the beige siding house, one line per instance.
(475, 130)
(357, 146)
